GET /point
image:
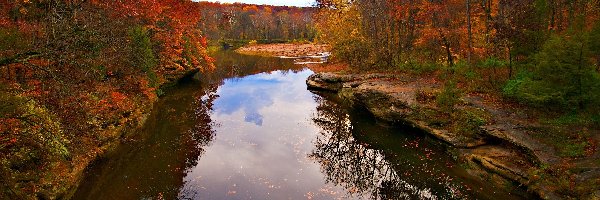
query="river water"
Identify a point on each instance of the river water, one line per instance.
(251, 130)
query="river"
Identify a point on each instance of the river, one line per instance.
(251, 130)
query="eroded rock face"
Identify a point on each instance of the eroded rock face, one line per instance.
(328, 81)
(382, 105)
(385, 101)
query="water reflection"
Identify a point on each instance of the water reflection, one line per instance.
(366, 171)
(231, 65)
(375, 161)
(155, 168)
(251, 130)
(266, 157)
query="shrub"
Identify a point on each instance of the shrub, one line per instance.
(561, 76)
(469, 121)
(448, 97)
(354, 51)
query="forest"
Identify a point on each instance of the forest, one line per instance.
(266, 24)
(77, 76)
(544, 53)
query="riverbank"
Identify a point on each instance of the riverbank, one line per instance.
(488, 134)
(283, 50)
(109, 122)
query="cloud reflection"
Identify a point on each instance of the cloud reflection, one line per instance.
(253, 93)
(265, 158)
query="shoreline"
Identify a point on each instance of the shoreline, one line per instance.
(283, 50)
(498, 149)
(119, 135)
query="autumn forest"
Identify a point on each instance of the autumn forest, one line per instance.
(510, 87)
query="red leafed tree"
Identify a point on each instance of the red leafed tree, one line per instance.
(74, 72)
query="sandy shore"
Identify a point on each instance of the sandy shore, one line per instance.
(294, 50)
(288, 50)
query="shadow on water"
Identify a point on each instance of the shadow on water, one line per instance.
(251, 130)
(153, 162)
(379, 161)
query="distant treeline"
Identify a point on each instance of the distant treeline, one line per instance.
(256, 22)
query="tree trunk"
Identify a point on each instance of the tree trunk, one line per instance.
(469, 31)
(448, 52)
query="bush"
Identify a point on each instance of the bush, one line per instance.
(449, 97)
(421, 67)
(469, 121)
(561, 77)
(354, 51)
(31, 137)
(11, 39)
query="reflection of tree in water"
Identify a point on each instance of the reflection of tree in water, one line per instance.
(201, 133)
(347, 162)
(234, 65)
(154, 164)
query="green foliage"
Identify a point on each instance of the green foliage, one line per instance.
(577, 119)
(234, 44)
(142, 54)
(594, 43)
(421, 67)
(159, 92)
(514, 86)
(271, 41)
(448, 97)
(561, 75)
(141, 49)
(468, 121)
(462, 69)
(87, 39)
(493, 62)
(594, 38)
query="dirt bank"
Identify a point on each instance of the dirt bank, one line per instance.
(497, 140)
(283, 50)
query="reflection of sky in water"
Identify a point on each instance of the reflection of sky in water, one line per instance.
(261, 146)
(248, 95)
(268, 145)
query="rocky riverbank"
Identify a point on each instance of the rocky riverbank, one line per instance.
(497, 142)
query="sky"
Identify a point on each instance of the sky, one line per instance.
(303, 3)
